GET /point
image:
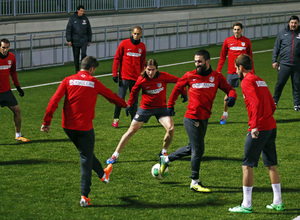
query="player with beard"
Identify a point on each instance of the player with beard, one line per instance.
(203, 83)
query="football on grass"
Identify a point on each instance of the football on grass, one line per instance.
(155, 171)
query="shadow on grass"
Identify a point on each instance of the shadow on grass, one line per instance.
(134, 202)
(38, 141)
(33, 162)
(288, 120)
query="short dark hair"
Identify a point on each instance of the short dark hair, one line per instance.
(244, 60)
(294, 17)
(203, 53)
(89, 62)
(237, 24)
(4, 40)
(80, 7)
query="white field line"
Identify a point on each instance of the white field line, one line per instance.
(109, 74)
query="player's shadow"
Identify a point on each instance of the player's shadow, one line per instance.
(37, 141)
(208, 158)
(288, 120)
(33, 162)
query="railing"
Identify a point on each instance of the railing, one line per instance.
(25, 7)
(35, 50)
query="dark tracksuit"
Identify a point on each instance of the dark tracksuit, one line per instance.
(287, 46)
(79, 32)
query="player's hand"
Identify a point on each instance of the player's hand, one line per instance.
(254, 133)
(275, 65)
(230, 101)
(171, 111)
(70, 43)
(120, 83)
(45, 128)
(184, 98)
(21, 92)
(127, 110)
(116, 79)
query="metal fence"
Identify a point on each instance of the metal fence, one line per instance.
(25, 7)
(35, 50)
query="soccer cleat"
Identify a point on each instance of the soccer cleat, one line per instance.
(115, 123)
(111, 160)
(241, 209)
(279, 207)
(297, 108)
(200, 188)
(22, 139)
(163, 164)
(223, 120)
(107, 171)
(84, 201)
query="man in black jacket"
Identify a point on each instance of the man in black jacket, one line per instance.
(287, 46)
(79, 34)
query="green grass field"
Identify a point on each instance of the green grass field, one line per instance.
(41, 179)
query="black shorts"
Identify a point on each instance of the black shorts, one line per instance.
(8, 99)
(265, 144)
(143, 115)
(233, 80)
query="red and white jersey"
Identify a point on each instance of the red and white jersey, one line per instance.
(153, 90)
(8, 67)
(131, 59)
(202, 92)
(259, 102)
(234, 47)
(80, 91)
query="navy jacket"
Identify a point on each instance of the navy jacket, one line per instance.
(79, 30)
(287, 45)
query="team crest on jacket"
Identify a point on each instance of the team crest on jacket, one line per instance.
(158, 85)
(140, 50)
(243, 44)
(298, 37)
(83, 21)
(211, 79)
(9, 62)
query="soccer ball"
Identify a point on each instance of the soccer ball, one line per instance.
(155, 171)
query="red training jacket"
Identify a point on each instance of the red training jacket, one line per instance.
(80, 91)
(259, 102)
(153, 91)
(131, 59)
(202, 92)
(234, 47)
(8, 67)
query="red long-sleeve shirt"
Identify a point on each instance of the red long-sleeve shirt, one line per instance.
(259, 102)
(8, 67)
(153, 91)
(202, 92)
(234, 47)
(80, 91)
(131, 59)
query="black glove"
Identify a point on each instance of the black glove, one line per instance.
(128, 111)
(116, 79)
(230, 101)
(120, 83)
(171, 111)
(184, 97)
(21, 92)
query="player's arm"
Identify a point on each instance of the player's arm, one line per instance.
(228, 89)
(276, 51)
(135, 92)
(69, 32)
(178, 88)
(223, 55)
(14, 77)
(143, 59)
(110, 96)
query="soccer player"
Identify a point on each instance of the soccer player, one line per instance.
(261, 134)
(80, 91)
(203, 83)
(7, 98)
(154, 88)
(130, 60)
(287, 45)
(233, 46)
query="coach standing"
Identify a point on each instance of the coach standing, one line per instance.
(79, 35)
(287, 45)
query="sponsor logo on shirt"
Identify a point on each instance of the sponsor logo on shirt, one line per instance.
(75, 82)
(5, 67)
(261, 84)
(203, 85)
(154, 91)
(131, 54)
(237, 48)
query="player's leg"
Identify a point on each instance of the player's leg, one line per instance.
(134, 107)
(83, 51)
(122, 90)
(76, 53)
(283, 76)
(295, 77)
(17, 120)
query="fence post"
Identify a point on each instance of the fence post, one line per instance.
(63, 47)
(14, 7)
(157, 3)
(69, 6)
(116, 5)
(31, 50)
